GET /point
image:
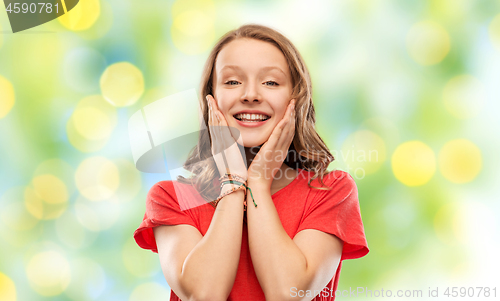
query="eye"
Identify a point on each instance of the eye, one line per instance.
(230, 82)
(273, 83)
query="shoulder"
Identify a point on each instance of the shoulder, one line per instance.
(169, 187)
(336, 178)
(175, 194)
(161, 194)
(160, 188)
(166, 192)
(338, 187)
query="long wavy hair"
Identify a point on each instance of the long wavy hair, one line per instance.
(307, 151)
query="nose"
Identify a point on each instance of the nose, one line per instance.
(251, 93)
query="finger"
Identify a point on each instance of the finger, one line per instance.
(283, 138)
(224, 136)
(212, 101)
(291, 128)
(275, 136)
(289, 111)
(287, 137)
(292, 116)
(288, 127)
(216, 115)
(211, 118)
(213, 109)
(287, 119)
(214, 127)
(220, 117)
(284, 123)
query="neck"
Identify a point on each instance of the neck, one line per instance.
(251, 152)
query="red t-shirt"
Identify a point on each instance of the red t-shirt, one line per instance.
(299, 207)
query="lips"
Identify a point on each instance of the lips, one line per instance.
(251, 117)
(251, 123)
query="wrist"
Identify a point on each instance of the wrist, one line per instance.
(228, 187)
(242, 174)
(259, 183)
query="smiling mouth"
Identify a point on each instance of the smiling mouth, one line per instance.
(251, 117)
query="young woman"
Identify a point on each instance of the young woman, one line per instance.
(280, 224)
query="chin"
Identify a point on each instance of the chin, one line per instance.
(249, 142)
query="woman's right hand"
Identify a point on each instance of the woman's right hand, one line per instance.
(224, 145)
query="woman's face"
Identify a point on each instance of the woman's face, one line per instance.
(252, 85)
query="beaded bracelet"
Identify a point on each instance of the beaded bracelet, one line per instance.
(233, 179)
(229, 176)
(241, 185)
(227, 193)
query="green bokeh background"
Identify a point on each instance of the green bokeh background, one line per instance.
(366, 77)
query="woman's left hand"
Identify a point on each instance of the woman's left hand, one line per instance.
(271, 155)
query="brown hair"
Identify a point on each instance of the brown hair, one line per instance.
(307, 151)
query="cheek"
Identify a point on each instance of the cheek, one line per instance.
(224, 106)
(225, 101)
(281, 110)
(222, 102)
(279, 102)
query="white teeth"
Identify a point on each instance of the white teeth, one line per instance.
(251, 117)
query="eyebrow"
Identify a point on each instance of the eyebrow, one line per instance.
(262, 69)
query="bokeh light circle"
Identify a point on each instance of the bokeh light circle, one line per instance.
(130, 180)
(13, 212)
(35, 205)
(49, 273)
(150, 291)
(60, 169)
(364, 150)
(88, 280)
(413, 163)
(94, 118)
(101, 26)
(193, 31)
(71, 232)
(91, 123)
(122, 84)
(47, 197)
(385, 128)
(97, 178)
(428, 43)
(82, 16)
(97, 216)
(464, 96)
(7, 96)
(50, 189)
(7, 288)
(460, 161)
(15, 215)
